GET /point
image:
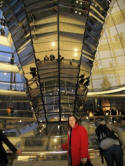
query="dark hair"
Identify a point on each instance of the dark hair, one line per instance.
(73, 115)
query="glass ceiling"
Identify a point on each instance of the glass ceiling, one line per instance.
(10, 78)
(109, 69)
(58, 30)
(109, 66)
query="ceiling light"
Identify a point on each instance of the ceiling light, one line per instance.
(76, 11)
(75, 49)
(53, 44)
(75, 54)
(55, 140)
(91, 115)
(87, 117)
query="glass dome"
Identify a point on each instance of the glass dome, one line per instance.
(109, 67)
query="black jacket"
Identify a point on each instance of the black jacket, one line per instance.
(3, 138)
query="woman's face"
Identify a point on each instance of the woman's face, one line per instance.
(72, 121)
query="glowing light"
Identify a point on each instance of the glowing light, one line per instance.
(55, 140)
(75, 49)
(53, 44)
(91, 115)
(75, 54)
(87, 117)
(107, 114)
(5, 74)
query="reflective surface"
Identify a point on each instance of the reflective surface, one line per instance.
(56, 42)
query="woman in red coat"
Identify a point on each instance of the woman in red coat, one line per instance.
(77, 143)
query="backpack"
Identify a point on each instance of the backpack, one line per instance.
(102, 132)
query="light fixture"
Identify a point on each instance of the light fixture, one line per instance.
(55, 140)
(107, 114)
(5, 74)
(75, 49)
(75, 54)
(91, 115)
(53, 44)
(76, 11)
(87, 117)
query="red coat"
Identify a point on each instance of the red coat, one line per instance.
(79, 144)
